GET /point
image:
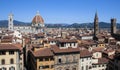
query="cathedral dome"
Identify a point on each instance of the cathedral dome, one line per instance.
(37, 19)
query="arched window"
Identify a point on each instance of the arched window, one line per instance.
(12, 68)
(59, 60)
(4, 68)
(11, 61)
(3, 61)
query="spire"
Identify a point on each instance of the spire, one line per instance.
(96, 15)
(11, 14)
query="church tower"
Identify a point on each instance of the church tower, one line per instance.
(113, 26)
(10, 22)
(96, 25)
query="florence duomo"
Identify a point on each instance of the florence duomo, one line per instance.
(36, 26)
(62, 35)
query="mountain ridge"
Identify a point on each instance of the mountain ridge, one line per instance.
(4, 23)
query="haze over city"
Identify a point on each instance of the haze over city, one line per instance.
(61, 11)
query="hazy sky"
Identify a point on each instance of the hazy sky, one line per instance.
(61, 11)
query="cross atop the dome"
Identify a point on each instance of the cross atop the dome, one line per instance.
(37, 13)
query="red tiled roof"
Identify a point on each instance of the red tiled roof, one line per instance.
(102, 60)
(98, 49)
(6, 40)
(85, 53)
(38, 19)
(88, 42)
(8, 47)
(7, 37)
(43, 52)
(67, 40)
(18, 45)
(39, 34)
(52, 39)
(56, 49)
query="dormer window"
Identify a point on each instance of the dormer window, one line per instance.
(70, 44)
(74, 44)
(62, 44)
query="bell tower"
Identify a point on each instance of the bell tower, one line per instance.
(96, 25)
(10, 22)
(113, 26)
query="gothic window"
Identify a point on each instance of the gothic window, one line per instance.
(3, 61)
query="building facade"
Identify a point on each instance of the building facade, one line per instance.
(9, 57)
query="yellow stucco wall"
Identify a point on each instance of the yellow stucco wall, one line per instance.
(7, 58)
(43, 63)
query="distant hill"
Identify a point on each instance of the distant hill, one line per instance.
(4, 23)
(91, 25)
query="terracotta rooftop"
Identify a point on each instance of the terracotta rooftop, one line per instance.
(39, 34)
(43, 52)
(37, 19)
(108, 51)
(98, 49)
(102, 61)
(85, 53)
(7, 37)
(56, 49)
(6, 40)
(8, 47)
(67, 40)
(52, 39)
(88, 42)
